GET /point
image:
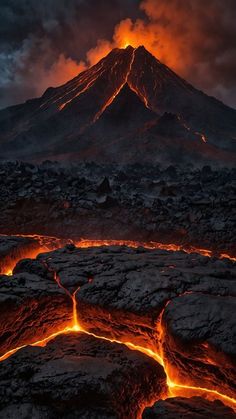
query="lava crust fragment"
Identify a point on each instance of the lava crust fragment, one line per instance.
(79, 376)
(161, 300)
(199, 341)
(188, 408)
(12, 248)
(123, 291)
(32, 307)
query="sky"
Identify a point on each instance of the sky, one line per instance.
(45, 43)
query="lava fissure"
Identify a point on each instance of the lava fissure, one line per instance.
(159, 356)
(112, 98)
(52, 243)
(56, 277)
(71, 111)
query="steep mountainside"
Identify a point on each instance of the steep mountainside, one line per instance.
(128, 107)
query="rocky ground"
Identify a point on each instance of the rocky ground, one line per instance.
(188, 408)
(77, 376)
(13, 248)
(117, 329)
(176, 309)
(188, 206)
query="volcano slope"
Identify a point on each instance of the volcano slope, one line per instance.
(122, 312)
(129, 107)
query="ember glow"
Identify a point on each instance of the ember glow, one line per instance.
(50, 243)
(175, 388)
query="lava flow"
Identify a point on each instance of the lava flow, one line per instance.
(50, 243)
(174, 387)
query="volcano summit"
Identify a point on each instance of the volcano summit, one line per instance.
(129, 107)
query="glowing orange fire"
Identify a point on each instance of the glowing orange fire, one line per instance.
(50, 243)
(174, 386)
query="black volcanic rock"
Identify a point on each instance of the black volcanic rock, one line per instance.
(200, 335)
(105, 114)
(32, 308)
(189, 207)
(188, 408)
(167, 92)
(177, 304)
(170, 125)
(78, 376)
(104, 187)
(12, 248)
(126, 114)
(124, 291)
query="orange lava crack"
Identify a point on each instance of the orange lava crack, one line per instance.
(174, 388)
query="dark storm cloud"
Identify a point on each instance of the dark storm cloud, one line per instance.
(42, 42)
(45, 43)
(198, 39)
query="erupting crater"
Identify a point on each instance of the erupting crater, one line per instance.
(128, 97)
(121, 308)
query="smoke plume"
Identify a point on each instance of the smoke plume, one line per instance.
(45, 44)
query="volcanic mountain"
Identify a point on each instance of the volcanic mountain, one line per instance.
(129, 107)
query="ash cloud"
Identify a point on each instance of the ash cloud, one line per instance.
(197, 38)
(46, 43)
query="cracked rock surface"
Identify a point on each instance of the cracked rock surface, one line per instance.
(188, 408)
(138, 202)
(200, 336)
(78, 376)
(13, 247)
(183, 303)
(31, 308)
(132, 286)
(180, 303)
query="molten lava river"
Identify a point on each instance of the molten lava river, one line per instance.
(177, 382)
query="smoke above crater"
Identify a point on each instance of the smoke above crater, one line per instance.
(45, 44)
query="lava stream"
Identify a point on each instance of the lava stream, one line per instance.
(112, 98)
(50, 243)
(175, 388)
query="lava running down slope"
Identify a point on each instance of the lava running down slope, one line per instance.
(127, 97)
(175, 387)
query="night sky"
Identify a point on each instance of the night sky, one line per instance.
(47, 42)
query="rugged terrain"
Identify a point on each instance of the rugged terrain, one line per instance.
(117, 291)
(188, 207)
(123, 328)
(127, 108)
(77, 376)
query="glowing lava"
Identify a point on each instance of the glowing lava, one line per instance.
(112, 98)
(175, 387)
(50, 243)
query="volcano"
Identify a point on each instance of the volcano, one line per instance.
(129, 107)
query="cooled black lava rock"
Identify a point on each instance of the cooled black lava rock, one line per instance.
(104, 187)
(12, 248)
(183, 206)
(31, 308)
(124, 293)
(188, 408)
(78, 376)
(200, 340)
(133, 285)
(106, 112)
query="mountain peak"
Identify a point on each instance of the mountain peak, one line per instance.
(128, 47)
(64, 116)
